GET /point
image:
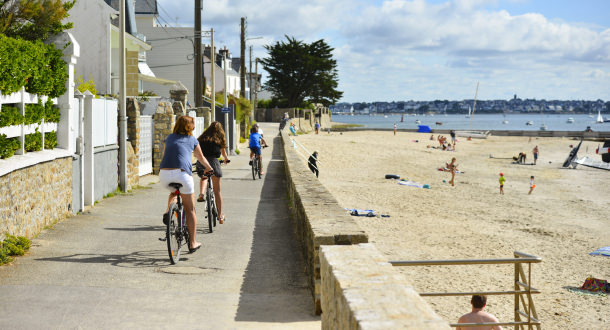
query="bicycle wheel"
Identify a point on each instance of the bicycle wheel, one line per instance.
(214, 210)
(258, 170)
(254, 168)
(209, 199)
(173, 235)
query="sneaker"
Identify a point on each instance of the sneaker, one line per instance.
(165, 218)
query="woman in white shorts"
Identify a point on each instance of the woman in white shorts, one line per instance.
(176, 167)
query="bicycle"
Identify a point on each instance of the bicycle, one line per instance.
(211, 203)
(255, 168)
(176, 233)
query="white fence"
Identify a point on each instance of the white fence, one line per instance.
(199, 123)
(105, 122)
(146, 145)
(20, 99)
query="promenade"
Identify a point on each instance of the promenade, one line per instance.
(107, 268)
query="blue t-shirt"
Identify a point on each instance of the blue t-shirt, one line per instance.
(179, 152)
(255, 140)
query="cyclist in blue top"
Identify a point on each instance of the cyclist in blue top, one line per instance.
(176, 166)
(255, 146)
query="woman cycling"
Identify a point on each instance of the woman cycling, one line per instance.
(213, 143)
(176, 166)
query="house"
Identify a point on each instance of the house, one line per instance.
(99, 41)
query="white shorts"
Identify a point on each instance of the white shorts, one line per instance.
(168, 176)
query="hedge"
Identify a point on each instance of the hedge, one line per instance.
(38, 67)
(8, 146)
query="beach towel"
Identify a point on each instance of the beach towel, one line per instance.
(595, 285)
(365, 213)
(444, 169)
(413, 184)
(362, 213)
(605, 251)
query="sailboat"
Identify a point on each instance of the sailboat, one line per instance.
(470, 133)
(542, 126)
(504, 121)
(600, 119)
(469, 112)
(402, 118)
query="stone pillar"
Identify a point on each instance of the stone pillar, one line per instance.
(178, 93)
(133, 136)
(88, 156)
(164, 120)
(66, 134)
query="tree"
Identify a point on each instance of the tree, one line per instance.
(33, 19)
(301, 72)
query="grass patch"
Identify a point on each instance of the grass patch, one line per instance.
(13, 246)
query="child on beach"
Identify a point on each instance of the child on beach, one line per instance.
(532, 185)
(502, 180)
(452, 167)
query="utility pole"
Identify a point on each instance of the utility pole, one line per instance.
(255, 85)
(122, 102)
(198, 61)
(242, 64)
(212, 72)
(226, 52)
(250, 84)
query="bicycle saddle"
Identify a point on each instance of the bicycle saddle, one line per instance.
(175, 185)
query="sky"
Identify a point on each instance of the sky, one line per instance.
(399, 50)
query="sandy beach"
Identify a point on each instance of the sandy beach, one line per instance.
(566, 217)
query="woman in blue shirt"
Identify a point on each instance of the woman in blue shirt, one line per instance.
(176, 166)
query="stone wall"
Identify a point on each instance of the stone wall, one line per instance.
(35, 196)
(164, 120)
(318, 218)
(133, 148)
(304, 119)
(361, 290)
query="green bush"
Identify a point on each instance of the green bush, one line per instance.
(33, 142)
(51, 112)
(10, 116)
(34, 113)
(13, 246)
(50, 140)
(8, 146)
(38, 67)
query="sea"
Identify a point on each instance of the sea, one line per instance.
(512, 122)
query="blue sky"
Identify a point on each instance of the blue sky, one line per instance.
(432, 49)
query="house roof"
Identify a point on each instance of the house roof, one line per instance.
(236, 63)
(146, 7)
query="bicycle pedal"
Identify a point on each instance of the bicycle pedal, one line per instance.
(162, 239)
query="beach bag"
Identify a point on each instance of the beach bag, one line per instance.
(595, 285)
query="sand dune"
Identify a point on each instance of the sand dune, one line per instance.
(565, 218)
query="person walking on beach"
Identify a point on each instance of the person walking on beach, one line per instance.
(535, 152)
(312, 162)
(395, 128)
(452, 167)
(532, 185)
(317, 127)
(452, 133)
(502, 180)
(478, 315)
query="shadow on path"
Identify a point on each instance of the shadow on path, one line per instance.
(274, 278)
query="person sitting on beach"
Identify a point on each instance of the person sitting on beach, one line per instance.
(449, 147)
(432, 137)
(478, 315)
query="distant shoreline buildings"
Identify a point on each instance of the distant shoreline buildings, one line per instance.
(514, 105)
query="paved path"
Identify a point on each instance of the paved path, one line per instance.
(107, 269)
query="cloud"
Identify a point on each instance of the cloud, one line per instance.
(398, 49)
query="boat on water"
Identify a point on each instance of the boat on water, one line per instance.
(543, 127)
(600, 119)
(417, 121)
(570, 120)
(505, 122)
(529, 123)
